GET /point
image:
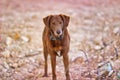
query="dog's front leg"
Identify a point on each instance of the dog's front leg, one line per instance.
(46, 65)
(66, 65)
(53, 64)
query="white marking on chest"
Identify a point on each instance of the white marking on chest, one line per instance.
(58, 53)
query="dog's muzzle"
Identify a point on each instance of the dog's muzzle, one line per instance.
(52, 37)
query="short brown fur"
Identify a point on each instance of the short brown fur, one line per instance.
(56, 27)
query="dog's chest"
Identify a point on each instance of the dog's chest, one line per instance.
(56, 43)
(58, 50)
(57, 47)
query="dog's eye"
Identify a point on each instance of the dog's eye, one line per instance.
(53, 23)
(60, 22)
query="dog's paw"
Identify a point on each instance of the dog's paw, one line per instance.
(45, 75)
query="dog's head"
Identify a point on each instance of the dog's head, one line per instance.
(57, 24)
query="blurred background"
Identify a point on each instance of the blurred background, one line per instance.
(95, 39)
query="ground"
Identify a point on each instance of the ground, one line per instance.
(95, 39)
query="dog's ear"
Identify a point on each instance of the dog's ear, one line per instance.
(65, 19)
(47, 20)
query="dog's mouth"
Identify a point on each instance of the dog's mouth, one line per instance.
(56, 37)
(60, 37)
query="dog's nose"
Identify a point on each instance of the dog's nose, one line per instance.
(58, 32)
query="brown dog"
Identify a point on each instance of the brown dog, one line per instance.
(56, 39)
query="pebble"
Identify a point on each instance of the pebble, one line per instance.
(8, 41)
(24, 38)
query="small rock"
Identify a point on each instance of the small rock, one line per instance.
(14, 65)
(100, 14)
(118, 75)
(116, 30)
(24, 38)
(110, 73)
(8, 41)
(97, 47)
(31, 59)
(6, 65)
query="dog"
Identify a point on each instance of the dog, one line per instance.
(56, 42)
